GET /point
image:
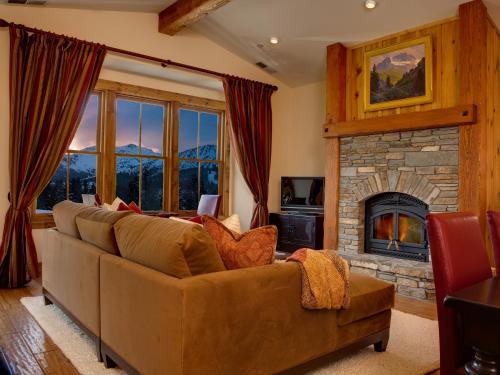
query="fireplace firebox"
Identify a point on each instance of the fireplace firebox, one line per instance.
(395, 226)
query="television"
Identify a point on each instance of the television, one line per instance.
(302, 193)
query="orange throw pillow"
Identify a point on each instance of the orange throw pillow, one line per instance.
(131, 207)
(256, 247)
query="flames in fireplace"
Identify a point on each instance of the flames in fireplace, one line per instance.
(410, 229)
(395, 226)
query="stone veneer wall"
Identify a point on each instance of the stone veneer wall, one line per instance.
(420, 163)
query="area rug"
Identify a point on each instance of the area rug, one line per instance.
(413, 346)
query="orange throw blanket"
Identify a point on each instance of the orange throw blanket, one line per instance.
(325, 279)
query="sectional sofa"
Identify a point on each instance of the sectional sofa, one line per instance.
(157, 300)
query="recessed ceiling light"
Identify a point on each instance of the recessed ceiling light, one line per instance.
(370, 4)
(274, 40)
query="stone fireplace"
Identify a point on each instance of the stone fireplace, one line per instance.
(388, 183)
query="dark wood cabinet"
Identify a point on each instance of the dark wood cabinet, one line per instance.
(297, 230)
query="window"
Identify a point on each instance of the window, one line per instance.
(140, 153)
(198, 155)
(161, 150)
(77, 172)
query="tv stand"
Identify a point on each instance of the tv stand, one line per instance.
(298, 229)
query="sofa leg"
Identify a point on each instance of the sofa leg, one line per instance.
(46, 301)
(108, 362)
(381, 346)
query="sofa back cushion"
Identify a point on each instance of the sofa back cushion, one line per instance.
(65, 213)
(96, 227)
(174, 248)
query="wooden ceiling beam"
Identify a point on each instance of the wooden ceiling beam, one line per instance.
(185, 12)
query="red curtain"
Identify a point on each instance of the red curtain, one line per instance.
(51, 77)
(249, 111)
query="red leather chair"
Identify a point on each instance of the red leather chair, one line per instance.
(459, 259)
(209, 205)
(494, 223)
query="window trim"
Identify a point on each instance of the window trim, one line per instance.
(109, 92)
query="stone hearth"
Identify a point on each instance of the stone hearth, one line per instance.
(423, 164)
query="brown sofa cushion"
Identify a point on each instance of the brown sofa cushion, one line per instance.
(96, 227)
(369, 296)
(65, 214)
(168, 246)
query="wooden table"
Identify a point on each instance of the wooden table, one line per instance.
(478, 307)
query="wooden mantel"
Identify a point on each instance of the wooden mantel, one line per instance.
(436, 118)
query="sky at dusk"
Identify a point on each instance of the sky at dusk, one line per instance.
(128, 115)
(87, 130)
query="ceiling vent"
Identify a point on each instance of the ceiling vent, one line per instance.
(264, 66)
(28, 2)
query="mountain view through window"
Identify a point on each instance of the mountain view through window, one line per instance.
(198, 156)
(76, 174)
(140, 153)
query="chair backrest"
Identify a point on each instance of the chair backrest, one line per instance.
(494, 223)
(459, 259)
(209, 205)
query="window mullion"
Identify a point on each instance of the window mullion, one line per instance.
(140, 153)
(68, 164)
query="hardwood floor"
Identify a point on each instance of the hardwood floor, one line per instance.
(31, 351)
(27, 346)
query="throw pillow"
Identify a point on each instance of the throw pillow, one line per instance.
(131, 207)
(122, 207)
(98, 200)
(196, 219)
(115, 204)
(185, 221)
(232, 223)
(256, 247)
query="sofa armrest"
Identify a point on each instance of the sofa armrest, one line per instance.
(251, 321)
(141, 316)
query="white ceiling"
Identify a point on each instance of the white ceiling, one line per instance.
(143, 68)
(305, 27)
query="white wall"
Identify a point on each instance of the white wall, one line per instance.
(298, 146)
(297, 113)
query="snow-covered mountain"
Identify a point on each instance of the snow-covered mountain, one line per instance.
(87, 163)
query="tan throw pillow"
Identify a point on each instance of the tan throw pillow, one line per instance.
(174, 248)
(107, 206)
(96, 227)
(256, 247)
(185, 221)
(65, 214)
(232, 223)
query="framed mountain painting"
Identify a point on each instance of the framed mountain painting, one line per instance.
(399, 75)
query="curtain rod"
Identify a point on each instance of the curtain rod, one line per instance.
(163, 62)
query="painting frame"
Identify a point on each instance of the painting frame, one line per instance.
(415, 100)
